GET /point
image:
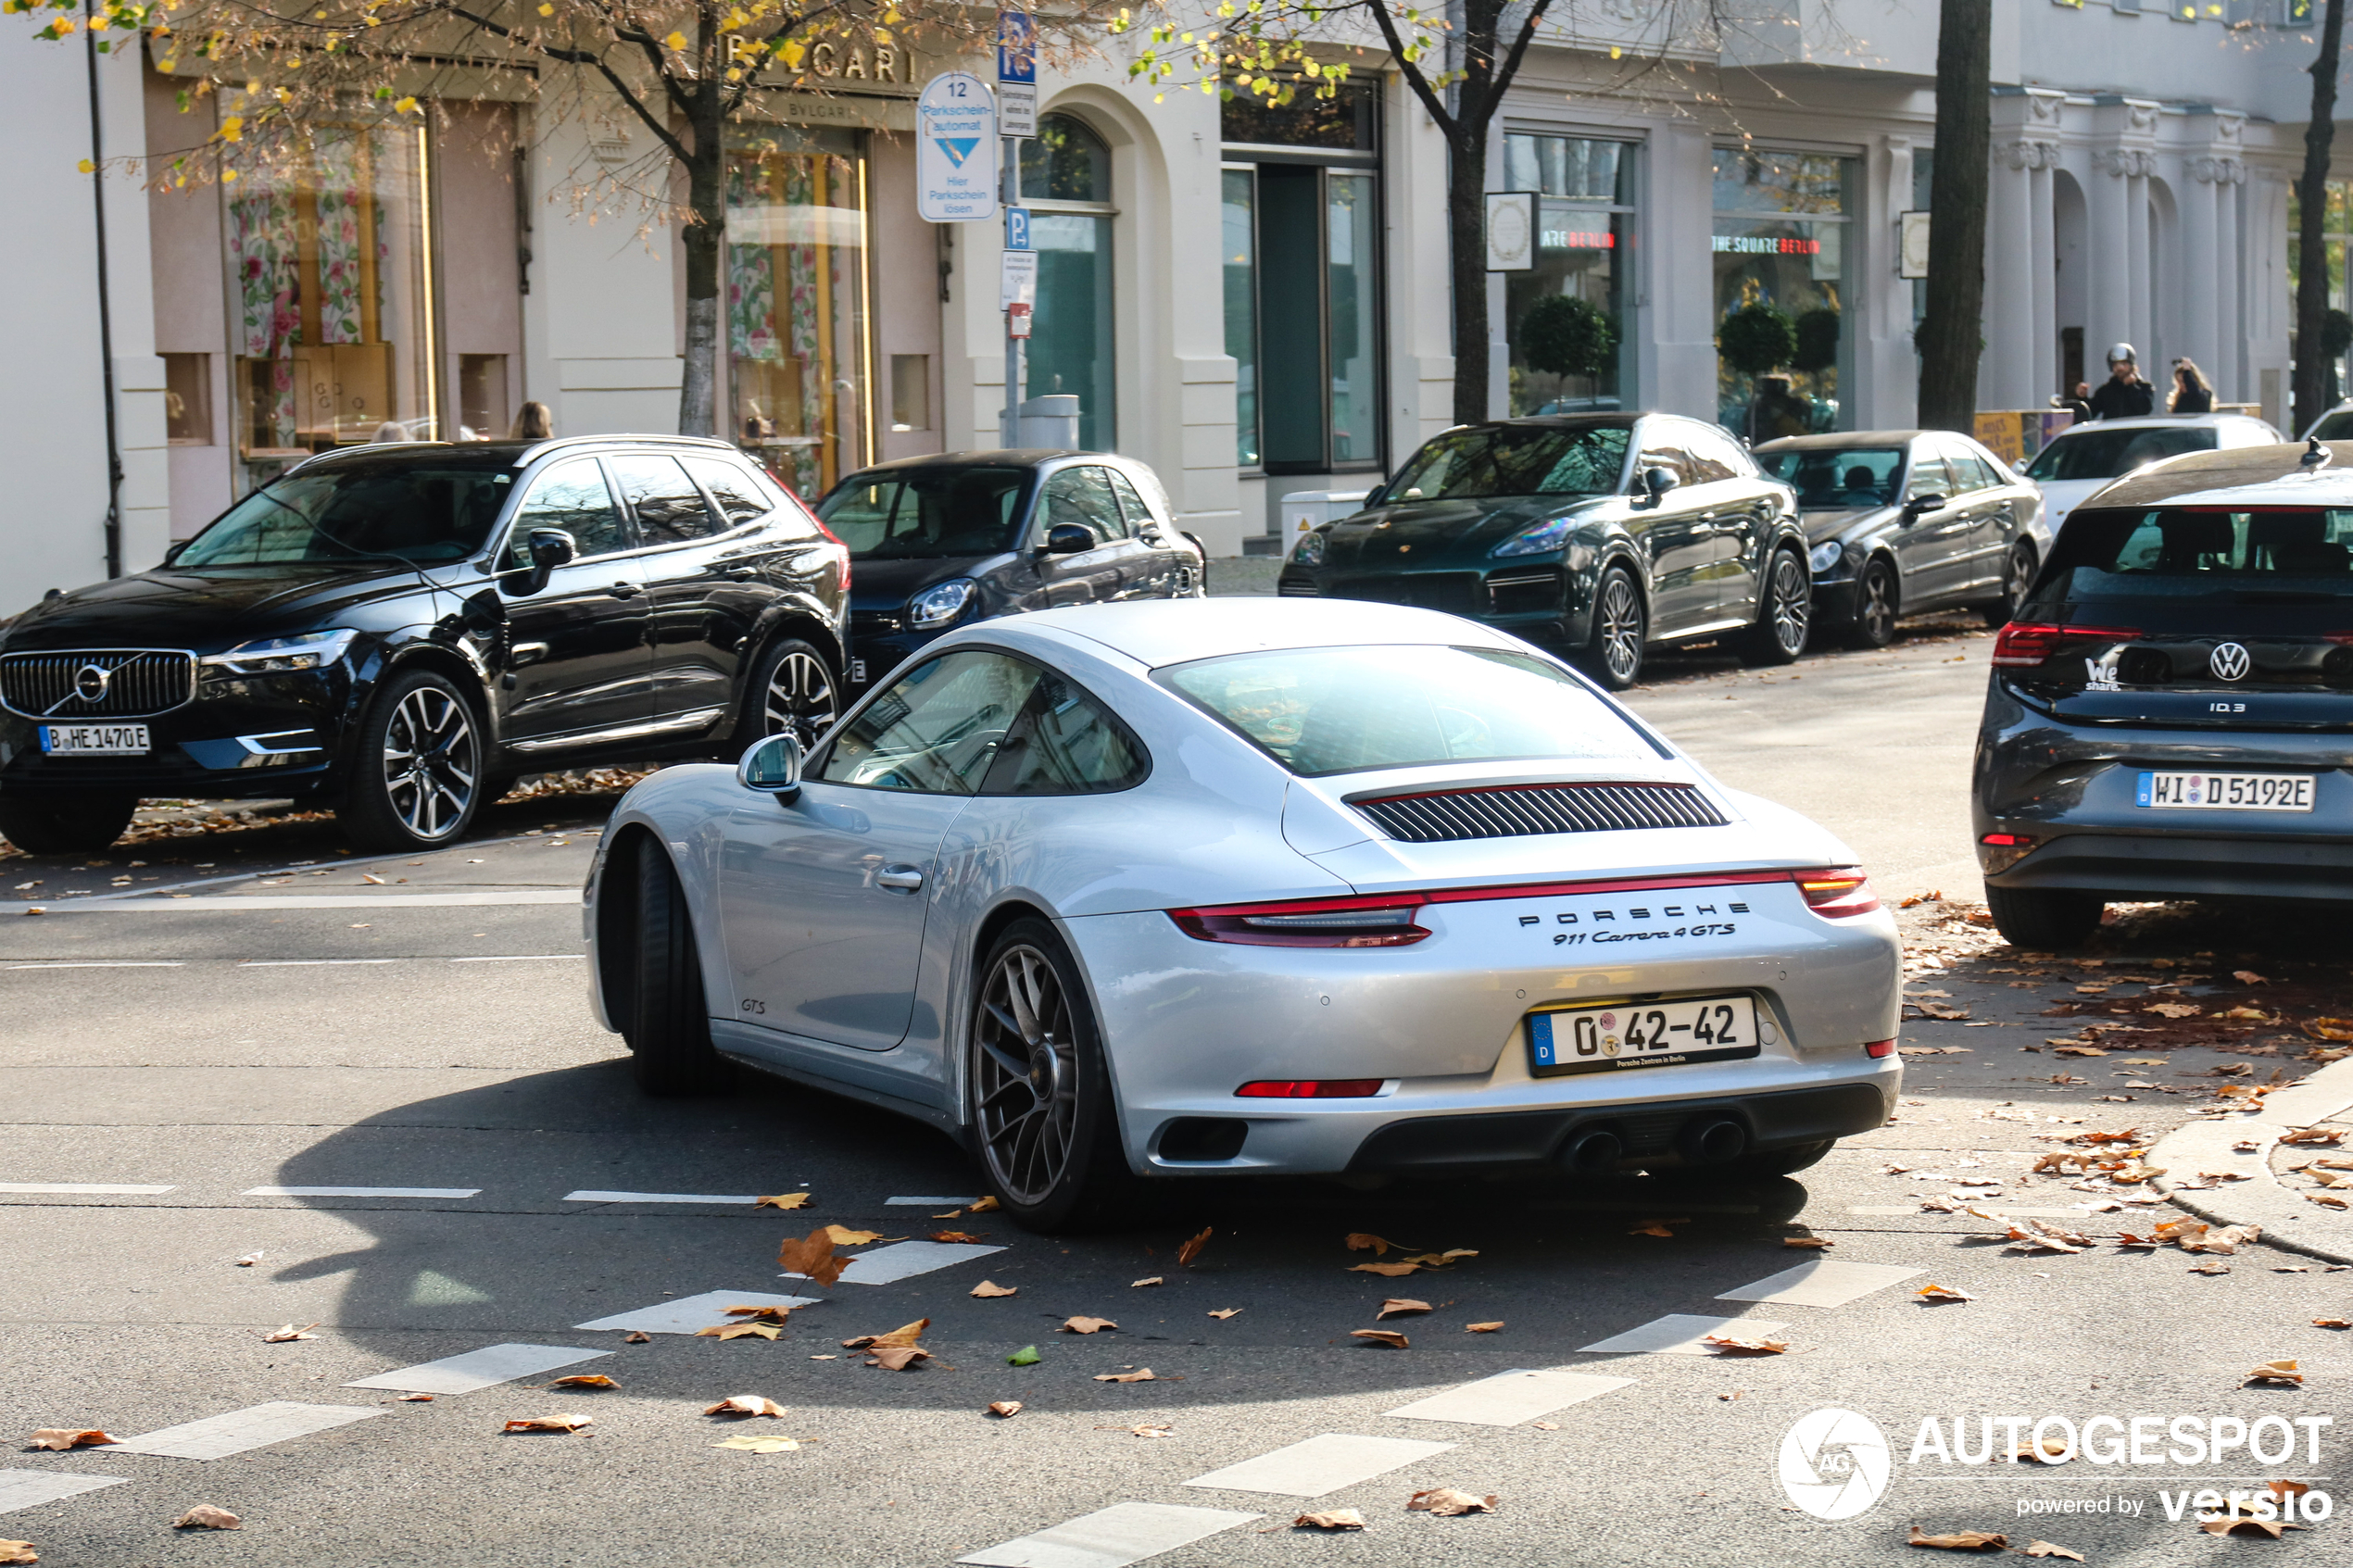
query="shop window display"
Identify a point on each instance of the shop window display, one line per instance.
(1585, 209)
(1780, 246)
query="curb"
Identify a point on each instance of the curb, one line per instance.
(2287, 1220)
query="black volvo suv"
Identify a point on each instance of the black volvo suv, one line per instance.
(401, 631)
(2170, 713)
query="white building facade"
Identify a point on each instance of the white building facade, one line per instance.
(1255, 301)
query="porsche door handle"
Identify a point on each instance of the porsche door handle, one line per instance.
(899, 879)
(623, 590)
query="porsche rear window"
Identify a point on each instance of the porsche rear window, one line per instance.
(1345, 709)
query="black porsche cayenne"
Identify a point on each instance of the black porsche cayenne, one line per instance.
(400, 632)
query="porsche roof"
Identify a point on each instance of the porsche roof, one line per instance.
(1160, 632)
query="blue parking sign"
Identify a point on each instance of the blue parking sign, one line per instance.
(1016, 46)
(1017, 228)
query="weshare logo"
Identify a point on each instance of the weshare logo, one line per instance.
(1834, 1463)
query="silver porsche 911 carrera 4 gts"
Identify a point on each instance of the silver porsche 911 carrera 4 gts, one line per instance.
(1244, 886)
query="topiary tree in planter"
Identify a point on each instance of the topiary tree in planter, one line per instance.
(1816, 341)
(1756, 338)
(1569, 336)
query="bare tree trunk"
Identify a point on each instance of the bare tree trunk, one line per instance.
(1952, 332)
(1467, 231)
(706, 238)
(2311, 251)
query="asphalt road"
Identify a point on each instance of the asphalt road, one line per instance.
(315, 1029)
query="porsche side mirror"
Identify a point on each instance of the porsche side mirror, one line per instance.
(1067, 539)
(1656, 483)
(772, 767)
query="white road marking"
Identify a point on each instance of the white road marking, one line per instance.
(118, 1188)
(24, 1489)
(904, 1260)
(691, 1312)
(1677, 1333)
(1510, 1397)
(1821, 1282)
(306, 963)
(927, 1203)
(520, 957)
(1111, 1538)
(484, 1368)
(1322, 1464)
(360, 1192)
(591, 1196)
(219, 1437)
(106, 963)
(230, 903)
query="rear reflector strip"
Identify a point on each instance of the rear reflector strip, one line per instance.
(1879, 1049)
(1311, 1088)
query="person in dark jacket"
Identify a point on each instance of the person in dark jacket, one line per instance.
(2192, 394)
(2124, 396)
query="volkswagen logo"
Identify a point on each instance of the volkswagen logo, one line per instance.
(90, 682)
(2229, 662)
(1834, 1463)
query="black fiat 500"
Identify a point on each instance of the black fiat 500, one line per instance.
(2168, 714)
(401, 631)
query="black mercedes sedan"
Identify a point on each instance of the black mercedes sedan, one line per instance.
(940, 542)
(399, 631)
(1598, 533)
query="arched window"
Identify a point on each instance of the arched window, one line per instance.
(1065, 183)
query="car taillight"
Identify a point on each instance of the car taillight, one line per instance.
(1837, 892)
(2007, 841)
(1380, 920)
(2024, 644)
(1879, 1048)
(1310, 1088)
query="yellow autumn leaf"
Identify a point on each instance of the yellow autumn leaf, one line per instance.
(677, 41)
(406, 105)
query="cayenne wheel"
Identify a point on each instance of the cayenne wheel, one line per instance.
(65, 824)
(2043, 919)
(796, 692)
(1784, 613)
(664, 1017)
(1614, 651)
(417, 775)
(1043, 1111)
(1875, 598)
(2018, 570)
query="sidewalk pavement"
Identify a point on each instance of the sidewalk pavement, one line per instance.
(2289, 1218)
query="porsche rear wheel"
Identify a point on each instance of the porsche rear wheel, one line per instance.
(664, 1017)
(1043, 1120)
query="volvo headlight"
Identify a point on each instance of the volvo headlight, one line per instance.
(280, 655)
(1309, 551)
(1826, 555)
(939, 604)
(1535, 541)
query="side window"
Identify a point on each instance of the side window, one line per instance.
(859, 512)
(1131, 505)
(1715, 455)
(1929, 475)
(1082, 496)
(1066, 744)
(570, 496)
(739, 501)
(656, 490)
(1969, 472)
(938, 728)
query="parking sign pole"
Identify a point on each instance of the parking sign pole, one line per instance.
(1016, 118)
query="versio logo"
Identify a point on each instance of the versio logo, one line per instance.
(1834, 1463)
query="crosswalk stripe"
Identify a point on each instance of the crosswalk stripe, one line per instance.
(1111, 1538)
(256, 1427)
(1317, 1465)
(486, 1368)
(1677, 1333)
(1821, 1282)
(1509, 1398)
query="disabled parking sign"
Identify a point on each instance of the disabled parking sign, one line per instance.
(956, 150)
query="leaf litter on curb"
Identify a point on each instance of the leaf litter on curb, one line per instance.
(1733, 1345)
(1086, 1325)
(1397, 1305)
(1388, 1336)
(1331, 1519)
(58, 1439)
(1004, 1409)
(1141, 1375)
(1960, 1540)
(583, 1380)
(1483, 1327)
(1444, 1502)
(288, 1334)
(1221, 1314)
(1944, 1293)
(17, 1552)
(1147, 1279)
(784, 1201)
(549, 1424)
(988, 1289)
(2282, 1372)
(2046, 1548)
(737, 1331)
(963, 1237)
(769, 1313)
(745, 1404)
(812, 1255)
(637, 1336)
(204, 1516)
(842, 1236)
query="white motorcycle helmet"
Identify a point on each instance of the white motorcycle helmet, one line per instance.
(2122, 353)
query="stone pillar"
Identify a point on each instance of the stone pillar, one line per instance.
(2043, 256)
(2124, 134)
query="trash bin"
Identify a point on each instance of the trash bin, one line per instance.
(1051, 421)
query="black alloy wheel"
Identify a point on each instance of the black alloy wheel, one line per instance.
(2043, 919)
(662, 1015)
(1614, 650)
(796, 694)
(418, 771)
(1041, 1103)
(1875, 597)
(65, 824)
(1785, 612)
(2018, 570)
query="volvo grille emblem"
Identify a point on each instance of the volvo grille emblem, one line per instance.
(2229, 662)
(90, 682)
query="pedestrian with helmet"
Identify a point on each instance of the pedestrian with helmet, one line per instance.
(2124, 396)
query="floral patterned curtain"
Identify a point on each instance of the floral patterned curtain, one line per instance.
(341, 200)
(752, 276)
(262, 243)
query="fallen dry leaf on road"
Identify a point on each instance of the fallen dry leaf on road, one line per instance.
(2226, 1241)
(550, 1423)
(1936, 1009)
(17, 1552)
(1398, 1305)
(2050, 1451)
(1652, 1227)
(1141, 1375)
(637, 1336)
(812, 1255)
(1149, 1429)
(1448, 1258)
(1191, 1249)
(2173, 1010)
(2283, 1490)
(1001, 1409)
(1388, 1271)
(1554, 1425)
(982, 1207)
(749, 1444)
(1150, 1279)
(1961, 1540)
(1223, 1312)
(1445, 1501)
(897, 1358)
(1482, 1328)
(907, 1334)
(738, 1331)
(288, 1334)
(784, 1201)
(1086, 1325)
(2037, 1236)
(204, 1516)
(1365, 1241)
(2248, 977)
(954, 1236)
(1388, 1336)
(2211, 1268)
(769, 1313)
(2329, 1028)
(2063, 1078)
(745, 1404)
(1732, 1345)
(2280, 1372)
(414, 1400)
(2228, 1524)
(583, 1380)
(2333, 1323)
(1944, 1292)
(248, 1260)
(59, 1438)
(988, 1290)
(842, 1236)
(2045, 1549)
(1894, 1170)
(2329, 1135)
(2078, 1050)
(1331, 1519)
(1815, 1242)
(2327, 1199)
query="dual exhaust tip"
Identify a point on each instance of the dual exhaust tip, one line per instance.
(1704, 1140)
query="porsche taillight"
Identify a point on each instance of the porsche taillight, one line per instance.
(1836, 892)
(1378, 921)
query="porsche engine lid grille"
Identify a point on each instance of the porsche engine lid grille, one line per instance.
(1512, 811)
